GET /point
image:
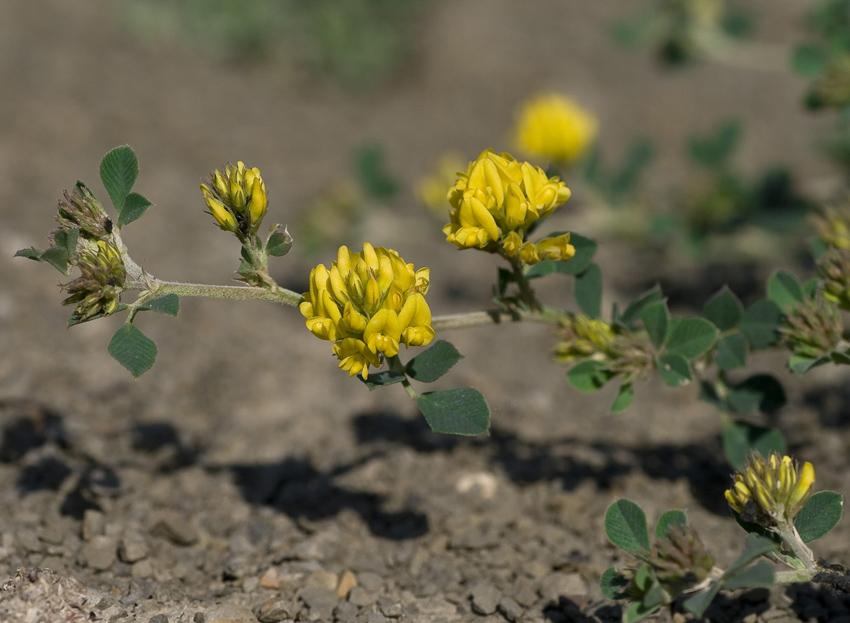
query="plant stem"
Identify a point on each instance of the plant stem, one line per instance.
(492, 316)
(282, 295)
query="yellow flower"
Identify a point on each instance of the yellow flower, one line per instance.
(367, 304)
(770, 491)
(237, 199)
(498, 196)
(554, 127)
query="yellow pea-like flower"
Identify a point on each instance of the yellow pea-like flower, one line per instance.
(497, 200)
(554, 127)
(237, 199)
(770, 491)
(368, 303)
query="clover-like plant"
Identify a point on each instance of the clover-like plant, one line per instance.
(772, 500)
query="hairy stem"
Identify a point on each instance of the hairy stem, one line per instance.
(245, 293)
(492, 316)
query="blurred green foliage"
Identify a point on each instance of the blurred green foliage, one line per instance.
(356, 41)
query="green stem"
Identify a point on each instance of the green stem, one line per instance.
(395, 364)
(797, 575)
(244, 293)
(493, 316)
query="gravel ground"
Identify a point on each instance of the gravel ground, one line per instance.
(244, 478)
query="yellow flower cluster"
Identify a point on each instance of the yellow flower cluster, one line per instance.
(772, 490)
(367, 304)
(237, 199)
(554, 127)
(495, 202)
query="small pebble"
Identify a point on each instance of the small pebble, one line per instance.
(274, 610)
(173, 527)
(199, 618)
(93, 524)
(359, 596)
(557, 585)
(371, 582)
(230, 613)
(345, 612)
(269, 579)
(347, 581)
(322, 579)
(485, 598)
(133, 548)
(510, 609)
(100, 552)
(142, 569)
(159, 618)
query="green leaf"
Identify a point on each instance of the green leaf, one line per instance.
(625, 525)
(759, 393)
(612, 583)
(133, 350)
(724, 310)
(674, 370)
(279, 244)
(760, 574)
(809, 60)
(134, 206)
(667, 521)
(635, 309)
(691, 338)
(820, 514)
(588, 291)
(700, 601)
(731, 352)
(168, 304)
(118, 172)
(373, 174)
(810, 287)
(588, 376)
(63, 249)
(741, 438)
(655, 318)
(624, 398)
(381, 379)
(31, 254)
(785, 290)
(801, 364)
(434, 362)
(756, 546)
(638, 612)
(761, 323)
(714, 151)
(461, 411)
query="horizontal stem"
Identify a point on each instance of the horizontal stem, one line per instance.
(244, 293)
(797, 575)
(491, 316)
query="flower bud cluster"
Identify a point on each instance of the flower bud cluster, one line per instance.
(624, 353)
(97, 291)
(80, 209)
(770, 491)
(833, 89)
(679, 561)
(813, 328)
(367, 304)
(834, 270)
(237, 199)
(497, 200)
(583, 337)
(554, 127)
